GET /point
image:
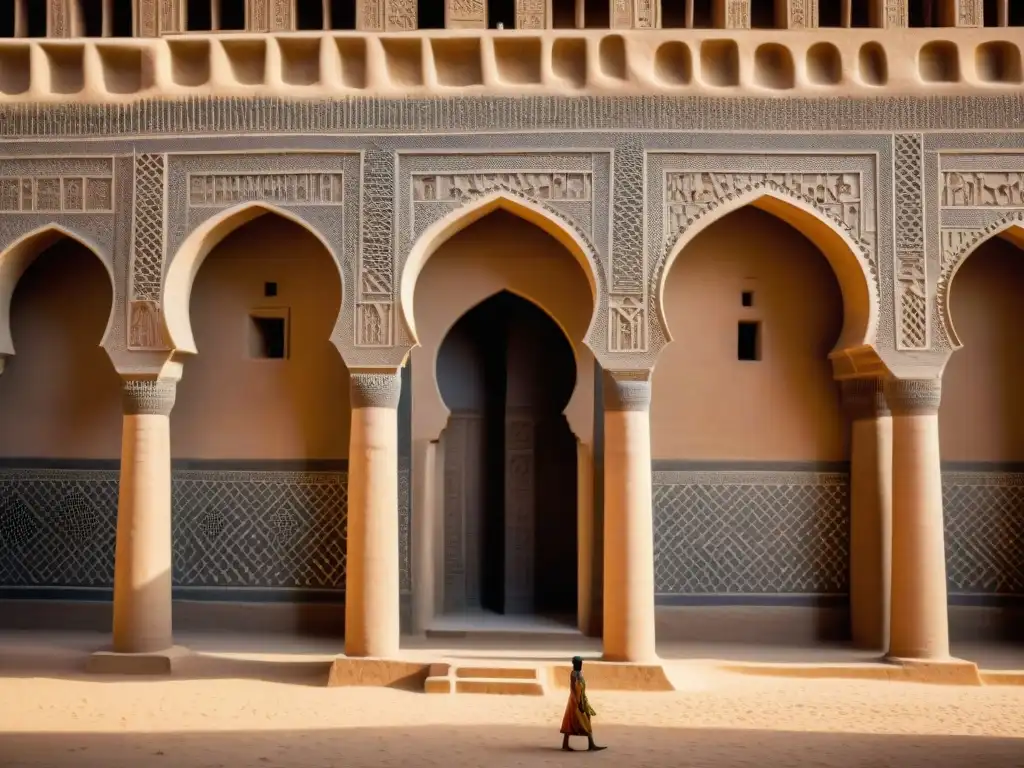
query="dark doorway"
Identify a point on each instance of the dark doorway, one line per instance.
(506, 372)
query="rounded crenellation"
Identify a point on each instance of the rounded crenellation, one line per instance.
(864, 398)
(375, 390)
(148, 397)
(913, 397)
(804, 62)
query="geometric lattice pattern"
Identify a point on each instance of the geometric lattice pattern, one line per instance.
(229, 528)
(726, 532)
(148, 227)
(984, 521)
(57, 528)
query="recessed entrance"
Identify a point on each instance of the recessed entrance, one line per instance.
(506, 371)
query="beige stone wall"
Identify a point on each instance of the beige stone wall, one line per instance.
(982, 413)
(707, 405)
(59, 395)
(232, 406)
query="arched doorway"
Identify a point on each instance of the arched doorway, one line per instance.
(470, 260)
(260, 430)
(506, 372)
(749, 440)
(981, 432)
(60, 439)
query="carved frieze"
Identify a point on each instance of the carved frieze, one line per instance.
(689, 195)
(531, 14)
(466, 14)
(910, 267)
(55, 194)
(983, 189)
(458, 187)
(218, 190)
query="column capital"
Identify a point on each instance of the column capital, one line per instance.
(913, 397)
(375, 388)
(864, 399)
(627, 390)
(148, 397)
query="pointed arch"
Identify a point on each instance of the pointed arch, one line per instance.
(200, 242)
(19, 255)
(958, 246)
(518, 205)
(848, 258)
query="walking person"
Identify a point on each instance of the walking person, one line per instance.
(576, 720)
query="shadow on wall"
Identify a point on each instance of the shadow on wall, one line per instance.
(60, 396)
(508, 746)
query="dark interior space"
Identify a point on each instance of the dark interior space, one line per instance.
(232, 15)
(762, 14)
(309, 15)
(123, 23)
(343, 14)
(563, 14)
(36, 18)
(429, 14)
(6, 18)
(501, 12)
(506, 372)
(92, 17)
(597, 14)
(198, 16)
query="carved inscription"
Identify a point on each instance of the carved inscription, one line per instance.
(466, 14)
(215, 190)
(148, 18)
(531, 14)
(838, 195)
(45, 194)
(803, 14)
(401, 14)
(621, 16)
(281, 19)
(982, 189)
(896, 13)
(737, 14)
(968, 14)
(910, 266)
(645, 14)
(541, 186)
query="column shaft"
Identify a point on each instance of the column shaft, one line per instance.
(628, 521)
(371, 577)
(870, 511)
(919, 626)
(142, 563)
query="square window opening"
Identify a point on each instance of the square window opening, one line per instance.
(268, 337)
(748, 341)
(270, 290)
(747, 298)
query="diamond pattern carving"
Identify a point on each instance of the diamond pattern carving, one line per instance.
(751, 532)
(148, 227)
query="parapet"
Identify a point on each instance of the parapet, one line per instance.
(817, 63)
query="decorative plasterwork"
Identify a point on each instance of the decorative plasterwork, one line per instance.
(911, 266)
(572, 189)
(978, 199)
(319, 190)
(693, 189)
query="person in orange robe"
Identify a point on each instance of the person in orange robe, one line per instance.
(576, 720)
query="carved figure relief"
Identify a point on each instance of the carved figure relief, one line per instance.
(540, 186)
(54, 194)
(226, 189)
(981, 189)
(911, 279)
(401, 14)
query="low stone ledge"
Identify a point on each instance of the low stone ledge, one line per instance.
(947, 672)
(615, 676)
(378, 673)
(164, 662)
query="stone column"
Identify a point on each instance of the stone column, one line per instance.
(371, 577)
(918, 625)
(870, 511)
(731, 14)
(142, 563)
(60, 22)
(628, 518)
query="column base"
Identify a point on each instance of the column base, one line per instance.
(151, 663)
(950, 671)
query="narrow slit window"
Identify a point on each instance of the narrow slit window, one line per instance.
(310, 15)
(7, 18)
(199, 16)
(123, 23)
(268, 337)
(270, 290)
(342, 14)
(747, 298)
(748, 341)
(36, 18)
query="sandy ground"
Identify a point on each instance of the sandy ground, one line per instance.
(718, 719)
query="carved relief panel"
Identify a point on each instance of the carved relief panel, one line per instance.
(572, 189)
(979, 197)
(802, 14)
(732, 14)
(970, 13)
(634, 14)
(155, 17)
(269, 15)
(385, 15)
(695, 189)
(320, 190)
(465, 14)
(532, 14)
(895, 13)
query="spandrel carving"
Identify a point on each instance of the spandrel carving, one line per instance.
(227, 189)
(458, 188)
